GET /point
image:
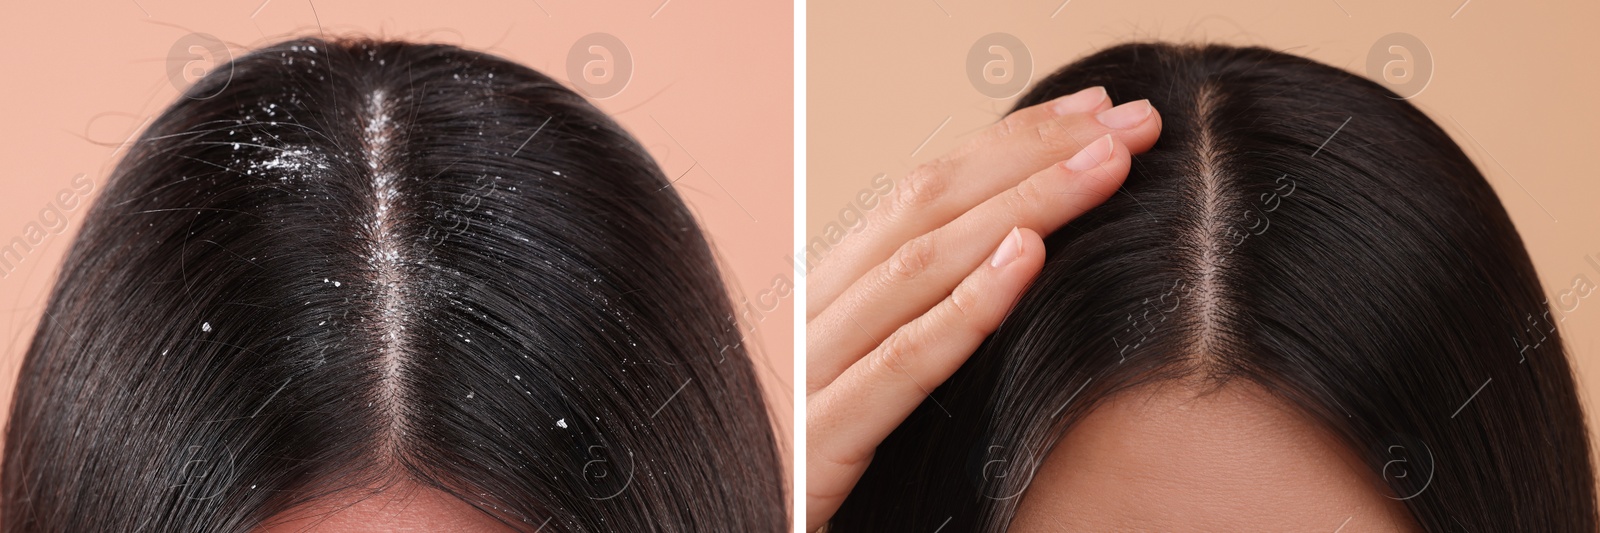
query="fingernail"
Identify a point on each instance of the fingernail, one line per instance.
(1009, 249)
(1082, 101)
(1091, 156)
(1126, 115)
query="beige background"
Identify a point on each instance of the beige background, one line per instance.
(711, 95)
(1513, 82)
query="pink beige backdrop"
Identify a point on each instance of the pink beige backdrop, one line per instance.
(710, 95)
(1513, 82)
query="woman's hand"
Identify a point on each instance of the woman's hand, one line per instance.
(897, 308)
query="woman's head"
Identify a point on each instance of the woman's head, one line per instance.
(346, 268)
(1300, 251)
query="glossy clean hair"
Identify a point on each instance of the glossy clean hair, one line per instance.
(1295, 226)
(339, 266)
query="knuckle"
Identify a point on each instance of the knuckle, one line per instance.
(912, 259)
(1012, 123)
(892, 355)
(966, 304)
(1055, 136)
(923, 186)
(974, 311)
(1026, 197)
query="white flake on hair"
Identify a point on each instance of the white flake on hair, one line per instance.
(291, 162)
(385, 260)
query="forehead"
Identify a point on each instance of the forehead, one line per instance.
(1166, 458)
(403, 507)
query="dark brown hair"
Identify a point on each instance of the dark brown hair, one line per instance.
(335, 266)
(1296, 226)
